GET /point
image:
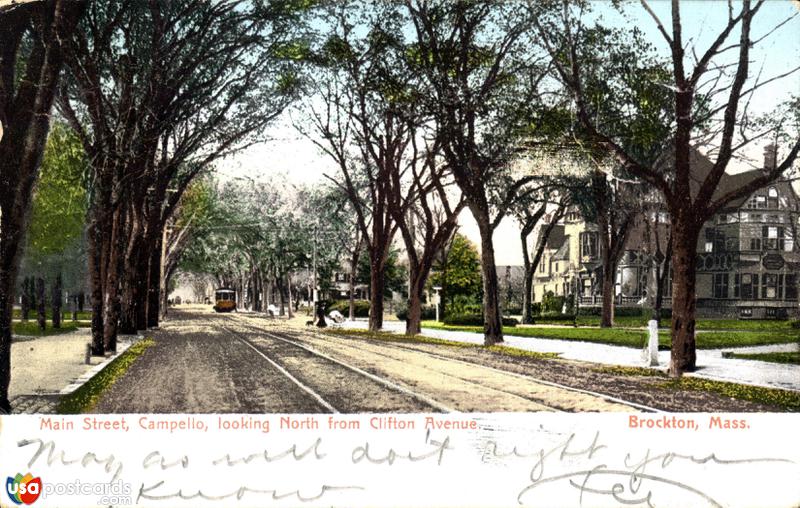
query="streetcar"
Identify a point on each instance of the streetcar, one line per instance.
(225, 300)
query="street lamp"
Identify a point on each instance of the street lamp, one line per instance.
(438, 300)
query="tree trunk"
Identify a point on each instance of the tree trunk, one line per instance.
(290, 314)
(154, 286)
(377, 285)
(527, 296)
(352, 280)
(25, 303)
(684, 292)
(6, 306)
(492, 318)
(111, 300)
(57, 297)
(94, 250)
(41, 306)
(609, 279)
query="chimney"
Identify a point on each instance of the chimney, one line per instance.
(770, 157)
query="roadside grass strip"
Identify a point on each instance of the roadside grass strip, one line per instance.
(31, 328)
(636, 338)
(792, 357)
(702, 324)
(84, 398)
(785, 399)
(421, 339)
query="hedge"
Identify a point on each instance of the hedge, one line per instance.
(343, 306)
(473, 320)
(427, 312)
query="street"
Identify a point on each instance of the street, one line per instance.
(228, 363)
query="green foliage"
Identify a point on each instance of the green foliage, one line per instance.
(59, 203)
(31, 328)
(784, 399)
(84, 398)
(428, 312)
(463, 271)
(361, 307)
(396, 275)
(474, 320)
(552, 303)
(791, 357)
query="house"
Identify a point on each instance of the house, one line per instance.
(748, 258)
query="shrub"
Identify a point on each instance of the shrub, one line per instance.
(473, 320)
(536, 308)
(796, 324)
(552, 303)
(343, 306)
(513, 309)
(428, 312)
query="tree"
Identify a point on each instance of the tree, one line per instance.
(158, 91)
(460, 274)
(471, 58)
(710, 106)
(529, 217)
(31, 59)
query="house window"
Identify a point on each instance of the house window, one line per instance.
(761, 201)
(772, 237)
(791, 286)
(749, 286)
(589, 245)
(772, 197)
(720, 285)
(542, 267)
(769, 286)
(709, 247)
(755, 244)
(746, 312)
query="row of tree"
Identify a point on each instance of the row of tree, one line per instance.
(431, 107)
(156, 93)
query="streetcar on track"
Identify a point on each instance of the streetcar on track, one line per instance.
(224, 300)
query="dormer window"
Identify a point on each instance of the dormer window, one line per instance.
(772, 195)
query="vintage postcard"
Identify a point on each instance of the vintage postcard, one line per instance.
(400, 254)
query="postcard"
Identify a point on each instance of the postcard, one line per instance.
(421, 253)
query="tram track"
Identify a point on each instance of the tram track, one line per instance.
(343, 402)
(473, 365)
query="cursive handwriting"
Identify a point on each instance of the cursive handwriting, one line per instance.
(110, 462)
(626, 483)
(313, 451)
(362, 453)
(145, 493)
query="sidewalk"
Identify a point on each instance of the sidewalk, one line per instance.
(711, 364)
(42, 368)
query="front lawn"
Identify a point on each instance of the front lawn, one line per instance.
(635, 338)
(702, 324)
(31, 328)
(66, 311)
(792, 357)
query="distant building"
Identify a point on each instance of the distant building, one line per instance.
(748, 258)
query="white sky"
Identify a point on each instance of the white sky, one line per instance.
(292, 157)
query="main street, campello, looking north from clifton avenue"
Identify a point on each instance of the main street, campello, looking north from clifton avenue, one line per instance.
(421, 206)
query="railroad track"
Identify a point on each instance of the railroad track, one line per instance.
(291, 337)
(423, 402)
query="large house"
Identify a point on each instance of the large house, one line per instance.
(748, 261)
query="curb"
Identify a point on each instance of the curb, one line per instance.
(123, 343)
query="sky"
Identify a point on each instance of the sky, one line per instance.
(290, 156)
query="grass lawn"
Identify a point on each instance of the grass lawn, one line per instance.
(66, 311)
(31, 328)
(636, 338)
(702, 324)
(84, 398)
(788, 357)
(784, 399)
